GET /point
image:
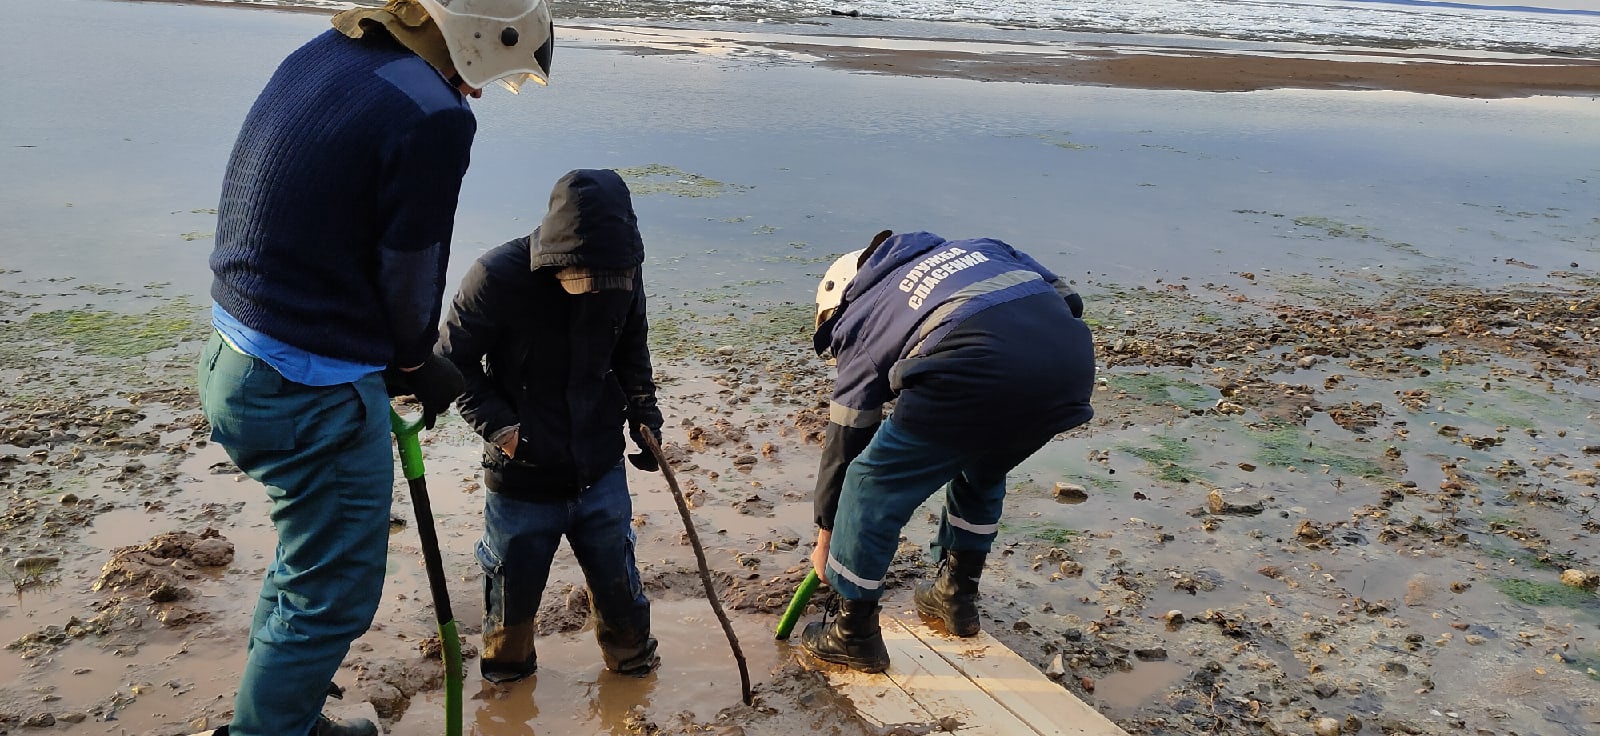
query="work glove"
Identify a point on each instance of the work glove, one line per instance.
(644, 459)
(644, 416)
(435, 383)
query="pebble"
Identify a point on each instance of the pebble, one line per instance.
(1326, 727)
(1057, 668)
(1575, 578)
(1071, 493)
(35, 563)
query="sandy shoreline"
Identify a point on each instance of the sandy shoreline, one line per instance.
(1212, 71)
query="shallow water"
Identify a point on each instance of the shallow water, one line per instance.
(1536, 26)
(116, 181)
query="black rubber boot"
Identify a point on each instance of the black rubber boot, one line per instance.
(640, 663)
(952, 598)
(853, 639)
(353, 727)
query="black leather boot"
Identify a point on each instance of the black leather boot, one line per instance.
(853, 639)
(952, 598)
(354, 727)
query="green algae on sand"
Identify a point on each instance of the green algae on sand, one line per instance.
(112, 334)
(663, 179)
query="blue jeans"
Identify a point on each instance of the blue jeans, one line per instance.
(519, 542)
(886, 483)
(324, 455)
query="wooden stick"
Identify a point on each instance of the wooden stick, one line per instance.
(700, 557)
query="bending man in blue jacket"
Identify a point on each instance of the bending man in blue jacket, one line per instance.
(986, 356)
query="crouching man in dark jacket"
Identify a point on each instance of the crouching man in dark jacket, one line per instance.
(987, 357)
(549, 332)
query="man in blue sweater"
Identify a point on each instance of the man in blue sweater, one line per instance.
(986, 356)
(333, 235)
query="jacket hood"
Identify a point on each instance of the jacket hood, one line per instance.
(882, 259)
(590, 223)
(405, 20)
(891, 254)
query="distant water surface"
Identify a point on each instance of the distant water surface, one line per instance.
(1565, 27)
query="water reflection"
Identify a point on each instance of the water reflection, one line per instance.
(613, 699)
(506, 710)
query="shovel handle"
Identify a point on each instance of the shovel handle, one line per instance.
(797, 605)
(405, 436)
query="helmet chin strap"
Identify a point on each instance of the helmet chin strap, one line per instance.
(461, 86)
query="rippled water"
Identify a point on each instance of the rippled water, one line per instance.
(1537, 26)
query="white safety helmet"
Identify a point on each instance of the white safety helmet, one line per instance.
(831, 291)
(505, 41)
(830, 294)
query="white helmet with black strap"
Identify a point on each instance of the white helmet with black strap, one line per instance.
(505, 41)
(830, 292)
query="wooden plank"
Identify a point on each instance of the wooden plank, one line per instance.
(922, 691)
(1013, 682)
(973, 687)
(879, 701)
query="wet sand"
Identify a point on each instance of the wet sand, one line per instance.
(1214, 71)
(1206, 65)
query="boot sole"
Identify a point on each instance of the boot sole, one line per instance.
(948, 626)
(871, 668)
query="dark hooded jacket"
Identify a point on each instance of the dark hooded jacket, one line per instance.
(572, 370)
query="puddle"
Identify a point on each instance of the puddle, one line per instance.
(698, 675)
(1123, 693)
(128, 526)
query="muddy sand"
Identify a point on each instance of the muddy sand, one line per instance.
(1283, 513)
(1350, 488)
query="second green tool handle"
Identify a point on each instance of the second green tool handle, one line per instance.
(797, 605)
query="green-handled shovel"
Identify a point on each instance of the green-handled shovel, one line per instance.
(405, 435)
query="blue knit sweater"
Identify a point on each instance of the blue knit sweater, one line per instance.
(333, 233)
